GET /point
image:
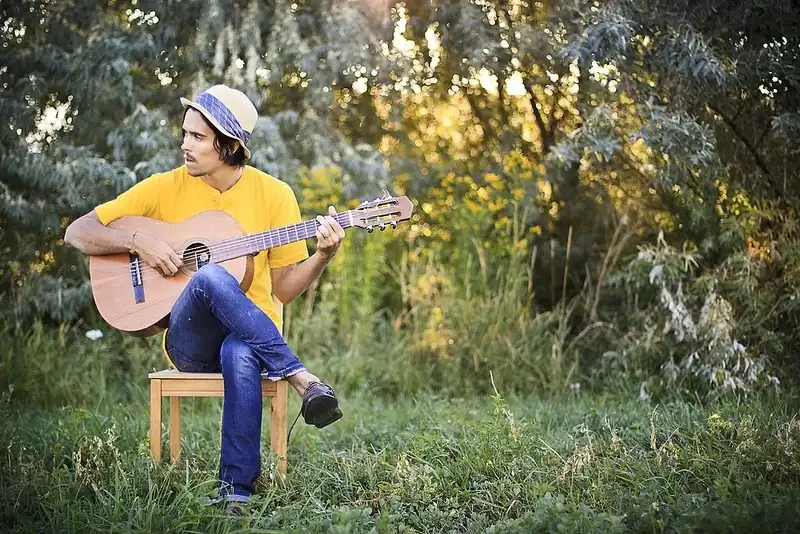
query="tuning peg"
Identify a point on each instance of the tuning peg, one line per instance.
(383, 227)
(394, 225)
(386, 194)
(370, 229)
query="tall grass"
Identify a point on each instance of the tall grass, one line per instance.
(454, 326)
(427, 443)
(48, 366)
(483, 463)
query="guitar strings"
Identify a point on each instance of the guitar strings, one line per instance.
(219, 251)
(234, 244)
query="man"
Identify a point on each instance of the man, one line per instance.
(215, 326)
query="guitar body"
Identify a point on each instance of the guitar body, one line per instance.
(135, 298)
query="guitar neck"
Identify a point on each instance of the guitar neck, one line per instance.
(229, 249)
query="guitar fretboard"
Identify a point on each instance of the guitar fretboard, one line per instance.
(229, 249)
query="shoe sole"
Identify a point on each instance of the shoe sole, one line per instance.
(326, 410)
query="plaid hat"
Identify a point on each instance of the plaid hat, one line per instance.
(229, 110)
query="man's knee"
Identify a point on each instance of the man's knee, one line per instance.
(213, 275)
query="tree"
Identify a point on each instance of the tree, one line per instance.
(69, 75)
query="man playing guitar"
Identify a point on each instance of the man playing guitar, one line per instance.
(214, 325)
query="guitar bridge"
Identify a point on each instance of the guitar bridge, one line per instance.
(136, 278)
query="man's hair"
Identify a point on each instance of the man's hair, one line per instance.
(230, 151)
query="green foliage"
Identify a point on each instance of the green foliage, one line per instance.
(606, 201)
(542, 145)
(489, 463)
(683, 327)
(43, 367)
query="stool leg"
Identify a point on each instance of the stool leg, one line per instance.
(174, 428)
(155, 419)
(277, 431)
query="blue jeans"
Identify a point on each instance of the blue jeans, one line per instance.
(215, 327)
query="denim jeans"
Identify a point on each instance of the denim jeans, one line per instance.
(215, 327)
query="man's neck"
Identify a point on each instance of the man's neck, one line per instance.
(224, 178)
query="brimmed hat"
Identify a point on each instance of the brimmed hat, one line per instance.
(229, 110)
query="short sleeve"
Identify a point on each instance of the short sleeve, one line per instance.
(287, 212)
(141, 199)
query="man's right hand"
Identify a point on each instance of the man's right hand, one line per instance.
(157, 254)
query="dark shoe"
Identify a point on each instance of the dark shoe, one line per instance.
(235, 508)
(320, 406)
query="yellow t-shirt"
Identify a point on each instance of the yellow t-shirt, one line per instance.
(257, 201)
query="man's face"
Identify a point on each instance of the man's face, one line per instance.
(199, 154)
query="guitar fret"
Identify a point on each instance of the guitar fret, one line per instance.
(276, 237)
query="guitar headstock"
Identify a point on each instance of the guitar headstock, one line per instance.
(382, 212)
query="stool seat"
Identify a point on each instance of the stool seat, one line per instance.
(176, 384)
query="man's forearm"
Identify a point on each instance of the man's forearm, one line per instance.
(88, 235)
(299, 277)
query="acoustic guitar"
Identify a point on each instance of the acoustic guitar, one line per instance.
(135, 298)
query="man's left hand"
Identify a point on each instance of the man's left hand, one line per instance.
(329, 234)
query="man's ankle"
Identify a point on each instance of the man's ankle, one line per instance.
(301, 380)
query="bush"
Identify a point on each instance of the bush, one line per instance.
(681, 330)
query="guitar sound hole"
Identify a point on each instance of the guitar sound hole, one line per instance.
(196, 255)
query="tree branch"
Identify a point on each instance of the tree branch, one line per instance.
(554, 123)
(736, 115)
(501, 100)
(767, 130)
(747, 143)
(547, 141)
(480, 114)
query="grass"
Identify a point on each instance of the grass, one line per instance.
(74, 452)
(585, 463)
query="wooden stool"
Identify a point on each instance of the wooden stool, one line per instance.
(175, 384)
